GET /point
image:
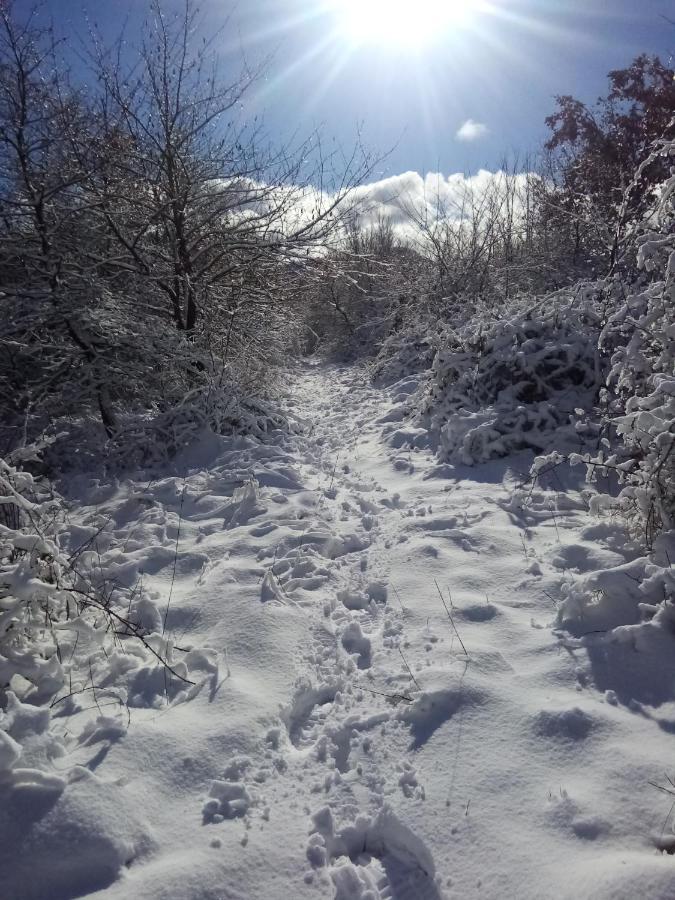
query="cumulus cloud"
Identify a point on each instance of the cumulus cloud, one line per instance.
(409, 199)
(472, 131)
(405, 201)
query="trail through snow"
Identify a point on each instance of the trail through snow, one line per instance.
(344, 744)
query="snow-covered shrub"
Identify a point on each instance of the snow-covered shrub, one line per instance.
(221, 405)
(503, 385)
(406, 352)
(645, 460)
(640, 387)
(30, 575)
(66, 628)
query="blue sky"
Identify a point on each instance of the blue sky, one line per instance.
(500, 69)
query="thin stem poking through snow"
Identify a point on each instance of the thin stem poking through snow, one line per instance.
(452, 621)
(409, 670)
(175, 556)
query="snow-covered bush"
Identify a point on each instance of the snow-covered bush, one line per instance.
(406, 351)
(598, 355)
(66, 628)
(503, 385)
(222, 404)
(640, 386)
(31, 599)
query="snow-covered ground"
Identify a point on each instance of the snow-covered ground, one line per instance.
(387, 708)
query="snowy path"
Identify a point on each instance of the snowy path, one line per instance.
(346, 746)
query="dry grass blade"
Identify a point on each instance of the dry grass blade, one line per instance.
(452, 621)
(175, 556)
(409, 669)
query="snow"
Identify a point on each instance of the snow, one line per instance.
(401, 687)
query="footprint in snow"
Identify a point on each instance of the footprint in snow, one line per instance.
(568, 724)
(354, 600)
(357, 644)
(227, 800)
(377, 858)
(478, 612)
(308, 712)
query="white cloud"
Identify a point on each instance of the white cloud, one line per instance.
(406, 200)
(472, 131)
(434, 197)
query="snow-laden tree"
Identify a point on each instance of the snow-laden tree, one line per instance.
(50, 285)
(640, 391)
(596, 151)
(153, 242)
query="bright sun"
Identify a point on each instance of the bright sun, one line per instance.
(410, 23)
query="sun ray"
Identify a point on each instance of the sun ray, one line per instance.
(299, 63)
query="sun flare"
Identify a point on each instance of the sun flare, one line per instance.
(412, 23)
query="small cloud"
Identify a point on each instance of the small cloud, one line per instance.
(472, 131)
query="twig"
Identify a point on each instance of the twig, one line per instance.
(93, 686)
(452, 622)
(671, 793)
(398, 596)
(175, 556)
(337, 459)
(409, 669)
(555, 522)
(393, 697)
(133, 630)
